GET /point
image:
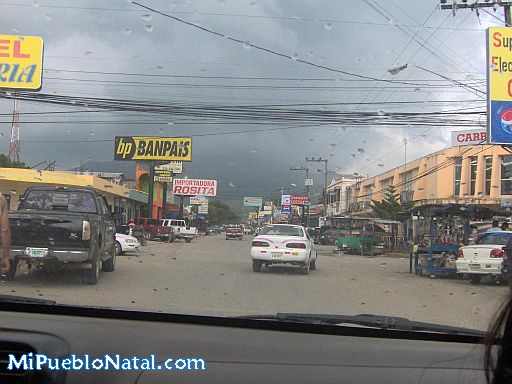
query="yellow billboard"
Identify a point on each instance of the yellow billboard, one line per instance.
(21, 62)
(153, 148)
(499, 85)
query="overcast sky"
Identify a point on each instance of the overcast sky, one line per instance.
(361, 37)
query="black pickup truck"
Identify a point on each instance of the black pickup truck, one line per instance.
(63, 225)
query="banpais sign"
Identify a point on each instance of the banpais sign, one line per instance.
(192, 187)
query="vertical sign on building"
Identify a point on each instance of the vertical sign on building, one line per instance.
(499, 85)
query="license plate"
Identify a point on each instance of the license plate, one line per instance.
(36, 252)
(474, 266)
(276, 255)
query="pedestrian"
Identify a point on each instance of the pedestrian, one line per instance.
(501, 369)
(495, 227)
(5, 236)
(504, 226)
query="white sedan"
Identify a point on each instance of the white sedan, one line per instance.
(483, 258)
(125, 243)
(283, 244)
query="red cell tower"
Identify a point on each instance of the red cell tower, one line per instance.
(14, 146)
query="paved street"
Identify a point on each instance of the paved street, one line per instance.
(214, 276)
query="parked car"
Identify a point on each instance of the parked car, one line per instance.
(135, 231)
(314, 233)
(154, 229)
(63, 225)
(506, 268)
(181, 229)
(283, 244)
(484, 258)
(234, 232)
(125, 243)
(329, 237)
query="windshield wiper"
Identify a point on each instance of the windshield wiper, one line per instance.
(24, 300)
(367, 320)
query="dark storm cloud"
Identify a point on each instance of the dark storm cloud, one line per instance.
(125, 40)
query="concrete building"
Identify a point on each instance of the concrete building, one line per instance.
(480, 174)
(337, 202)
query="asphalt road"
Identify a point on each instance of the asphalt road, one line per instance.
(214, 276)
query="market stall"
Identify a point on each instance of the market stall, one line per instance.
(440, 230)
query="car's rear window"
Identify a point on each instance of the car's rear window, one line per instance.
(494, 238)
(282, 230)
(82, 202)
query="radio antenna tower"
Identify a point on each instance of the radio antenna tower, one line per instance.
(14, 146)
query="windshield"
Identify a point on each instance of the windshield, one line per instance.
(348, 140)
(494, 239)
(282, 230)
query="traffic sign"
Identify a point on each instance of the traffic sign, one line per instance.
(308, 182)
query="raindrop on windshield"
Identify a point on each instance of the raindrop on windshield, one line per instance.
(254, 150)
(360, 150)
(35, 3)
(203, 70)
(363, 141)
(159, 67)
(127, 31)
(496, 6)
(91, 133)
(332, 145)
(222, 2)
(170, 122)
(87, 52)
(48, 17)
(311, 53)
(381, 113)
(331, 155)
(380, 165)
(161, 130)
(311, 139)
(146, 17)
(253, 3)
(232, 162)
(367, 159)
(14, 30)
(295, 56)
(231, 185)
(353, 154)
(148, 28)
(68, 130)
(247, 45)
(328, 26)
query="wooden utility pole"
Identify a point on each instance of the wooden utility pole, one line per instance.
(506, 4)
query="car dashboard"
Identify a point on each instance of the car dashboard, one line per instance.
(234, 350)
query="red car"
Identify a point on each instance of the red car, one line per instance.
(154, 230)
(234, 232)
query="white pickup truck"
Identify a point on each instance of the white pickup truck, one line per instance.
(182, 230)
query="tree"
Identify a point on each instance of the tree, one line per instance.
(5, 162)
(220, 213)
(390, 207)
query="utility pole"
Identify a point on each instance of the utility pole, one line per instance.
(320, 160)
(306, 169)
(476, 5)
(151, 188)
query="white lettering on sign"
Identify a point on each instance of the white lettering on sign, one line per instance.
(469, 137)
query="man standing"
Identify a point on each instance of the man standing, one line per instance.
(495, 227)
(5, 235)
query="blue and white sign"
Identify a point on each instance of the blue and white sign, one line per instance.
(500, 122)
(286, 208)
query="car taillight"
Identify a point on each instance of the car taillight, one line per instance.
(260, 244)
(296, 245)
(497, 253)
(460, 254)
(86, 230)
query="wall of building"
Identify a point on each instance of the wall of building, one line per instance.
(487, 182)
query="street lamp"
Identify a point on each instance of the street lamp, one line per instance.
(395, 70)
